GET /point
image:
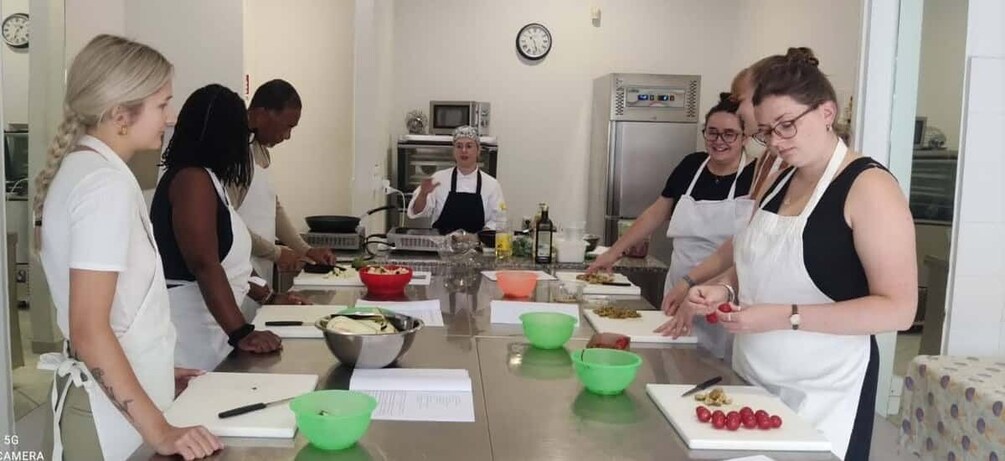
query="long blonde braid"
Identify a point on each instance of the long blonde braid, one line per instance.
(108, 72)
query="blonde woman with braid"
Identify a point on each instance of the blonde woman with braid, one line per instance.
(116, 373)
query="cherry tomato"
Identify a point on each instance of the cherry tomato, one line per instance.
(720, 413)
(732, 414)
(750, 422)
(718, 421)
(746, 411)
(776, 421)
(764, 423)
(733, 423)
(711, 318)
(703, 414)
(725, 307)
(761, 414)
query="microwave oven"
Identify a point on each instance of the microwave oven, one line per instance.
(444, 116)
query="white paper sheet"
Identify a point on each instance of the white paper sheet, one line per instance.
(307, 314)
(541, 275)
(509, 311)
(417, 394)
(428, 311)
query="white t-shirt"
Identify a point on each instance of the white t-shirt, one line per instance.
(91, 220)
(492, 196)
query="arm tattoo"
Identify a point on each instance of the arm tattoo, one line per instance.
(123, 406)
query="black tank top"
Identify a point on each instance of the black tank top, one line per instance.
(161, 219)
(828, 244)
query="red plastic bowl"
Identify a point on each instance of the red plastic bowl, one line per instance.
(385, 284)
(516, 284)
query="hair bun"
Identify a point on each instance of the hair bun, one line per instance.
(725, 96)
(802, 55)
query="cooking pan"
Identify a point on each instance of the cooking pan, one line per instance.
(334, 224)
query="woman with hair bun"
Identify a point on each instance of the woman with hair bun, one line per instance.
(102, 264)
(705, 201)
(827, 262)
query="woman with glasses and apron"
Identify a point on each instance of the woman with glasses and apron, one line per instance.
(827, 261)
(206, 246)
(705, 201)
(463, 197)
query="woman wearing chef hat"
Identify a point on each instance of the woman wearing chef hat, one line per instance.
(462, 197)
(102, 265)
(827, 261)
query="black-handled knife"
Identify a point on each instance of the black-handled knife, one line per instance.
(283, 323)
(250, 408)
(703, 386)
(617, 284)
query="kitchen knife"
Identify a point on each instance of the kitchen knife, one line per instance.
(617, 284)
(250, 408)
(703, 386)
(283, 323)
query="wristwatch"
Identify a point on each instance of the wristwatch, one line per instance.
(794, 318)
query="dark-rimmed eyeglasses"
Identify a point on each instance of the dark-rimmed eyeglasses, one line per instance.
(785, 129)
(727, 136)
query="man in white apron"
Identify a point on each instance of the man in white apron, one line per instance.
(697, 229)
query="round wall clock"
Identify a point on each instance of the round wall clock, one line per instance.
(15, 30)
(533, 41)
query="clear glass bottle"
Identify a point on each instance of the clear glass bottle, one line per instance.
(504, 236)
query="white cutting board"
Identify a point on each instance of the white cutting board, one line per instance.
(212, 393)
(320, 280)
(306, 314)
(592, 289)
(541, 275)
(640, 330)
(794, 435)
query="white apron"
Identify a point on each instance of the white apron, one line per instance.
(148, 345)
(818, 375)
(202, 343)
(697, 229)
(259, 212)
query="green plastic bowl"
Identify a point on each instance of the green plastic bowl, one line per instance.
(605, 371)
(547, 330)
(333, 419)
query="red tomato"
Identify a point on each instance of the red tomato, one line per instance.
(764, 423)
(711, 318)
(720, 413)
(761, 413)
(733, 423)
(725, 307)
(746, 411)
(750, 422)
(703, 414)
(718, 420)
(776, 421)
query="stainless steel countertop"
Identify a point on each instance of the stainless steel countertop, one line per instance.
(487, 261)
(528, 403)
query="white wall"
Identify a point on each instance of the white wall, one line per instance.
(940, 83)
(308, 43)
(464, 49)
(204, 40)
(15, 71)
(976, 315)
(88, 18)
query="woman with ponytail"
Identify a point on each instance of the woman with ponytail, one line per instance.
(116, 374)
(827, 262)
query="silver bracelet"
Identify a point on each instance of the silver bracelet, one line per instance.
(689, 281)
(732, 292)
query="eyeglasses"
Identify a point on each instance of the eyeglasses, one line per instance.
(785, 129)
(727, 136)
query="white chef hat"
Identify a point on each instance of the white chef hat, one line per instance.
(466, 131)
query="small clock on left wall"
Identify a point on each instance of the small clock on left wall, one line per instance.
(15, 30)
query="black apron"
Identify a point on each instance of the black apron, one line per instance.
(462, 210)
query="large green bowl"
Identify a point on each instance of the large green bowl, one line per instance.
(606, 371)
(547, 330)
(333, 419)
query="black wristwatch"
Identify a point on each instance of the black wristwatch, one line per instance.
(690, 281)
(240, 333)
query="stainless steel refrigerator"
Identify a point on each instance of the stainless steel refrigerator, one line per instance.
(643, 125)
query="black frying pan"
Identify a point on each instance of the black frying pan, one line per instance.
(340, 224)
